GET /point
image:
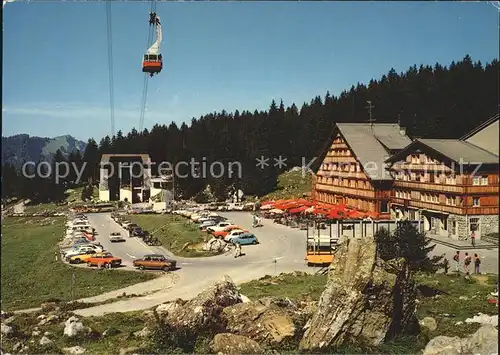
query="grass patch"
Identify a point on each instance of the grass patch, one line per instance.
(174, 232)
(291, 184)
(296, 286)
(286, 285)
(73, 196)
(119, 329)
(448, 309)
(30, 276)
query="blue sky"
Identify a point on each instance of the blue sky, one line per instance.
(217, 55)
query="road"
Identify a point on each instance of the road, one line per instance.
(281, 249)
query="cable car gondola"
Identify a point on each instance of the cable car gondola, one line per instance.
(152, 62)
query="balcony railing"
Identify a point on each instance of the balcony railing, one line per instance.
(421, 167)
(415, 185)
(342, 174)
(346, 190)
(340, 159)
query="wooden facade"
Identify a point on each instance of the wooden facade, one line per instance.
(340, 179)
(425, 181)
(429, 179)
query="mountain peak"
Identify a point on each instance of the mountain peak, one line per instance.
(21, 148)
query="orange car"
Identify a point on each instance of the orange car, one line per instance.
(104, 260)
(221, 234)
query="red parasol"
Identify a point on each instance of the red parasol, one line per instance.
(298, 209)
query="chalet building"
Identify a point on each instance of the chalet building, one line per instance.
(352, 168)
(450, 184)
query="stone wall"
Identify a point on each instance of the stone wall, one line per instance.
(461, 229)
(489, 224)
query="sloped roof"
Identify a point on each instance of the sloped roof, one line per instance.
(461, 151)
(145, 157)
(486, 135)
(367, 142)
(454, 149)
(483, 125)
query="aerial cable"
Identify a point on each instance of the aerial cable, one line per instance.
(110, 66)
(146, 76)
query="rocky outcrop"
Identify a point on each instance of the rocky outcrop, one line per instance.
(73, 327)
(215, 245)
(429, 323)
(203, 311)
(365, 299)
(484, 341)
(226, 343)
(266, 321)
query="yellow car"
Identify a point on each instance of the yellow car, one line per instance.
(82, 258)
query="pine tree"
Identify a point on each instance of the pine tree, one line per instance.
(407, 242)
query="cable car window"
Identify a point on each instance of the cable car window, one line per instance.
(146, 57)
(152, 57)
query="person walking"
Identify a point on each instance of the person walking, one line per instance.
(473, 238)
(467, 262)
(477, 263)
(456, 258)
(237, 249)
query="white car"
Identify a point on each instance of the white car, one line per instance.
(116, 237)
(219, 226)
(233, 233)
(83, 250)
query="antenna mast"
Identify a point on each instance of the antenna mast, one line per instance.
(370, 107)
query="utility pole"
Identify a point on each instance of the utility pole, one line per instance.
(370, 107)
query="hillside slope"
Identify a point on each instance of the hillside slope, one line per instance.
(21, 148)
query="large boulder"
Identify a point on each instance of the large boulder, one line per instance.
(483, 341)
(203, 311)
(365, 299)
(227, 343)
(266, 321)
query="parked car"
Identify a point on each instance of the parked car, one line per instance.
(219, 226)
(126, 224)
(104, 260)
(81, 249)
(234, 233)
(245, 239)
(131, 227)
(207, 224)
(221, 234)
(155, 261)
(81, 258)
(116, 237)
(136, 232)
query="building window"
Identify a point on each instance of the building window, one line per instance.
(475, 202)
(453, 228)
(413, 177)
(476, 180)
(474, 224)
(484, 180)
(384, 206)
(450, 180)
